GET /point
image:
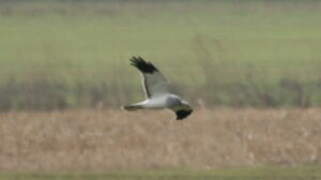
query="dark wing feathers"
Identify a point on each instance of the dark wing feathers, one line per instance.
(181, 114)
(142, 65)
(154, 82)
(147, 91)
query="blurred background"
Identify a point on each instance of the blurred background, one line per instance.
(58, 54)
(250, 68)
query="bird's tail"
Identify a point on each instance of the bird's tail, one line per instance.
(132, 107)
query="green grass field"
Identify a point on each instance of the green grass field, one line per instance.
(80, 46)
(269, 49)
(260, 173)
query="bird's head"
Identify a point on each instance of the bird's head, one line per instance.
(185, 103)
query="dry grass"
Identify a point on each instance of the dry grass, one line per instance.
(96, 140)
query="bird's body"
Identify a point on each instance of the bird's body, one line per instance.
(157, 91)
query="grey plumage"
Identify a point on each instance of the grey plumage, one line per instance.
(158, 95)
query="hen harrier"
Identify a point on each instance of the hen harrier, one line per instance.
(157, 92)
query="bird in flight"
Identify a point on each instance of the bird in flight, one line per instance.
(158, 95)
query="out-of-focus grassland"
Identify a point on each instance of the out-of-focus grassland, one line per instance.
(248, 53)
(107, 140)
(262, 173)
(82, 41)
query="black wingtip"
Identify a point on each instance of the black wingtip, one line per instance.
(182, 114)
(142, 65)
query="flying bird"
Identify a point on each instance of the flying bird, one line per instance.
(156, 88)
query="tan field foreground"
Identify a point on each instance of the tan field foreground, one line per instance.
(98, 140)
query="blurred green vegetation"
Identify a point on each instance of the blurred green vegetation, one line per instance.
(263, 173)
(57, 55)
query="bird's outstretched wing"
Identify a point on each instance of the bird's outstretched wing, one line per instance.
(154, 82)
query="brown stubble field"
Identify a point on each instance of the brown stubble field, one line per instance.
(99, 140)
